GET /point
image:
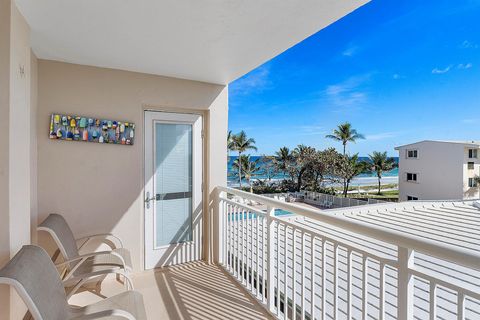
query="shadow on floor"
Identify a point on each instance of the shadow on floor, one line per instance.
(198, 291)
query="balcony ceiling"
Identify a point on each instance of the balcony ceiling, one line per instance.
(214, 41)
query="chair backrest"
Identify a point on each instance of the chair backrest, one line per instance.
(58, 228)
(34, 276)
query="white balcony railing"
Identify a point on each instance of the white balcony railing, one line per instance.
(298, 271)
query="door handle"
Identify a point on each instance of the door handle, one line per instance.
(148, 199)
(166, 196)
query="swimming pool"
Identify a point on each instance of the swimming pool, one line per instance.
(250, 215)
(281, 212)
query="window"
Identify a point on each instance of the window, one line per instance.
(412, 154)
(472, 183)
(472, 153)
(411, 177)
(471, 165)
(412, 198)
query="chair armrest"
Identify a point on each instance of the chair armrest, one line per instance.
(82, 258)
(93, 275)
(105, 236)
(104, 314)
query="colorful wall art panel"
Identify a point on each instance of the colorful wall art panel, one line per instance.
(76, 128)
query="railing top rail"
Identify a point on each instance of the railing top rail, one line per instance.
(462, 256)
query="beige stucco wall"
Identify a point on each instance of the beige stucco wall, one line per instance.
(99, 187)
(17, 144)
(33, 146)
(4, 159)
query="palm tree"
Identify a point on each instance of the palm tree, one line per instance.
(380, 163)
(241, 144)
(283, 159)
(345, 134)
(230, 143)
(248, 167)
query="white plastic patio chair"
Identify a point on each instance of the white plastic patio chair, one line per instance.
(82, 268)
(35, 278)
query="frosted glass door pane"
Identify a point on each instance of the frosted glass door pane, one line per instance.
(173, 183)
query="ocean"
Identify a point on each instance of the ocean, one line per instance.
(362, 180)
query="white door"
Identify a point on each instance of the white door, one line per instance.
(173, 188)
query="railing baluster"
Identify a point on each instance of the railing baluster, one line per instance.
(405, 283)
(285, 273)
(225, 233)
(237, 242)
(278, 269)
(232, 240)
(324, 279)
(266, 262)
(257, 255)
(229, 242)
(244, 248)
(248, 247)
(365, 288)
(433, 300)
(460, 306)
(335, 280)
(294, 273)
(349, 284)
(302, 272)
(252, 244)
(382, 291)
(270, 263)
(242, 237)
(312, 279)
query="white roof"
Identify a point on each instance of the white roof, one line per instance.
(466, 143)
(454, 223)
(209, 40)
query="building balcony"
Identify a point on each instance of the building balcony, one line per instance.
(383, 261)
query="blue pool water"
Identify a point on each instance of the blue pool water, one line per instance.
(249, 215)
(281, 212)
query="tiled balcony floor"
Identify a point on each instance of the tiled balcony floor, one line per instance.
(191, 291)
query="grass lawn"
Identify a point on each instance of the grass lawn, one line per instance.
(371, 187)
(391, 195)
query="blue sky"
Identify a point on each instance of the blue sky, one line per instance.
(399, 71)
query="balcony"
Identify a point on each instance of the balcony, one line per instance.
(385, 261)
(382, 261)
(417, 260)
(194, 290)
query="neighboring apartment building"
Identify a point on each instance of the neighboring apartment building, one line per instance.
(439, 170)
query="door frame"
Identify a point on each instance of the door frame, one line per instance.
(201, 167)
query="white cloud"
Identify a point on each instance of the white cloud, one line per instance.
(465, 65)
(257, 80)
(397, 76)
(350, 51)
(349, 92)
(441, 71)
(468, 45)
(382, 136)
